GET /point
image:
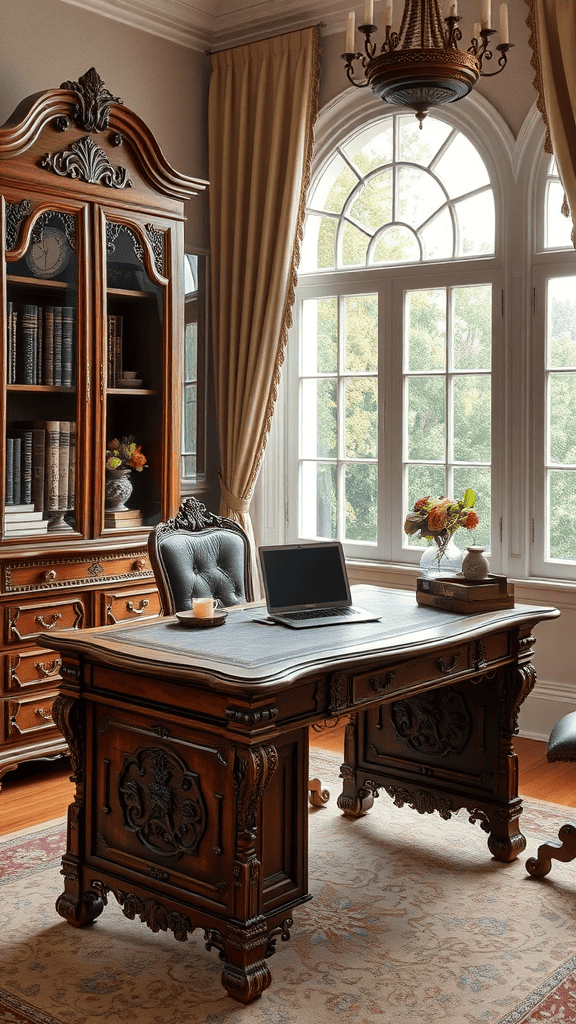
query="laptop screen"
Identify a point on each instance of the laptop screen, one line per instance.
(304, 576)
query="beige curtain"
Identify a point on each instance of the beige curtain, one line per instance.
(552, 26)
(262, 108)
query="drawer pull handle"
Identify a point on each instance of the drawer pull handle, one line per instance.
(139, 564)
(49, 669)
(50, 575)
(44, 622)
(131, 607)
(46, 715)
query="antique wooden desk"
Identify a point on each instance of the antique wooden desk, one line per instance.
(189, 752)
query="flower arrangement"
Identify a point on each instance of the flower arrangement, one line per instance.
(439, 519)
(125, 454)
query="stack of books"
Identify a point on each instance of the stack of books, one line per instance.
(41, 465)
(23, 520)
(468, 597)
(41, 344)
(128, 518)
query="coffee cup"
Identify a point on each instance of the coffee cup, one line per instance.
(204, 607)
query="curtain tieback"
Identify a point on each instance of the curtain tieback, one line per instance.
(240, 505)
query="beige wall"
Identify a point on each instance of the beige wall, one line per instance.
(46, 42)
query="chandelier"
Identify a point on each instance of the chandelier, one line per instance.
(420, 66)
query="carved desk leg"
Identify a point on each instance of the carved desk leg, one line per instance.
(243, 945)
(564, 851)
(354, 800)
(76, 907)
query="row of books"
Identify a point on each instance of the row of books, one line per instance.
(40, 344)
(114, 349)
(41, 466)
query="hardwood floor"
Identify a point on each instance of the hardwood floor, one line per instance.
(41, 790)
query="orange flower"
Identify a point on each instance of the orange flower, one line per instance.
(421, 502)
(472, 520)
(138, 459)
(436, 519)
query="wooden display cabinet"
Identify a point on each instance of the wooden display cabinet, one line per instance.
(92, 316)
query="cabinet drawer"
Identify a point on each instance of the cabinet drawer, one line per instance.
(31, 668)
(25, 621)
(30, 715)
(62, 573)
(121, 605)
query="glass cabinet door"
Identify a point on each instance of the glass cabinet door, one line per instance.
(133, 368)
(42, 368)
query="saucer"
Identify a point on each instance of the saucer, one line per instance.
(129, 382)
(188, 618)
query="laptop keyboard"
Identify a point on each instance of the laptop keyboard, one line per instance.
(317, 613)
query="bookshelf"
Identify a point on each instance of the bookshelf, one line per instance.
(92, 316)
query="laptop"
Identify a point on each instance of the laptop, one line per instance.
(307, 585)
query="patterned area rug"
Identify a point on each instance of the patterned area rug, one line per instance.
(411, 921)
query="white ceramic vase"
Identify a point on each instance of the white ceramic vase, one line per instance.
(474, 564)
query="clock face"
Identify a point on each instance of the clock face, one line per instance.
(50, 254)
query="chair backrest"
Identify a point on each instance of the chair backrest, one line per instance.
(199, 554)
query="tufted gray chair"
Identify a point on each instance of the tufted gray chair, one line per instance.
(199, 554)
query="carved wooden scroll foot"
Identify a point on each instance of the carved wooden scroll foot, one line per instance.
(354, 800)
(316, 795)
(564, 851)
(79, 911)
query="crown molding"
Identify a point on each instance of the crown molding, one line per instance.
(218, 24)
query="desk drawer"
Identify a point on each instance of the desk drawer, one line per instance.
(25, 621)
(465, 657)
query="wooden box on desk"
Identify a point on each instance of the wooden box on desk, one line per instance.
(468, 597)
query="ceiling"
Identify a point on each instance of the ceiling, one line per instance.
(217, 24)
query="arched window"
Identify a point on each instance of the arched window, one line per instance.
(398, 319)
(392, 194)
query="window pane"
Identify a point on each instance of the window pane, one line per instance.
(318, 504)
(562, 321)
(562, 505)
(437, 237)
(396, 245)
(419, 195)
(361, 419)
(191, 352)
(319, 437)
(354, 246)
(189, 467)
(461, 167)
(426, 329)
(426, 418)
(333, 187)
(419, 147)
(318, 247)
(558, 228)
(472, 328)
(562, 417)
(480, 481)
(360, 333)
(472, 418)
(319, 348)
(373, 205)
(361, 495)
(476, 225)
(190, 418)
(371, 147)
